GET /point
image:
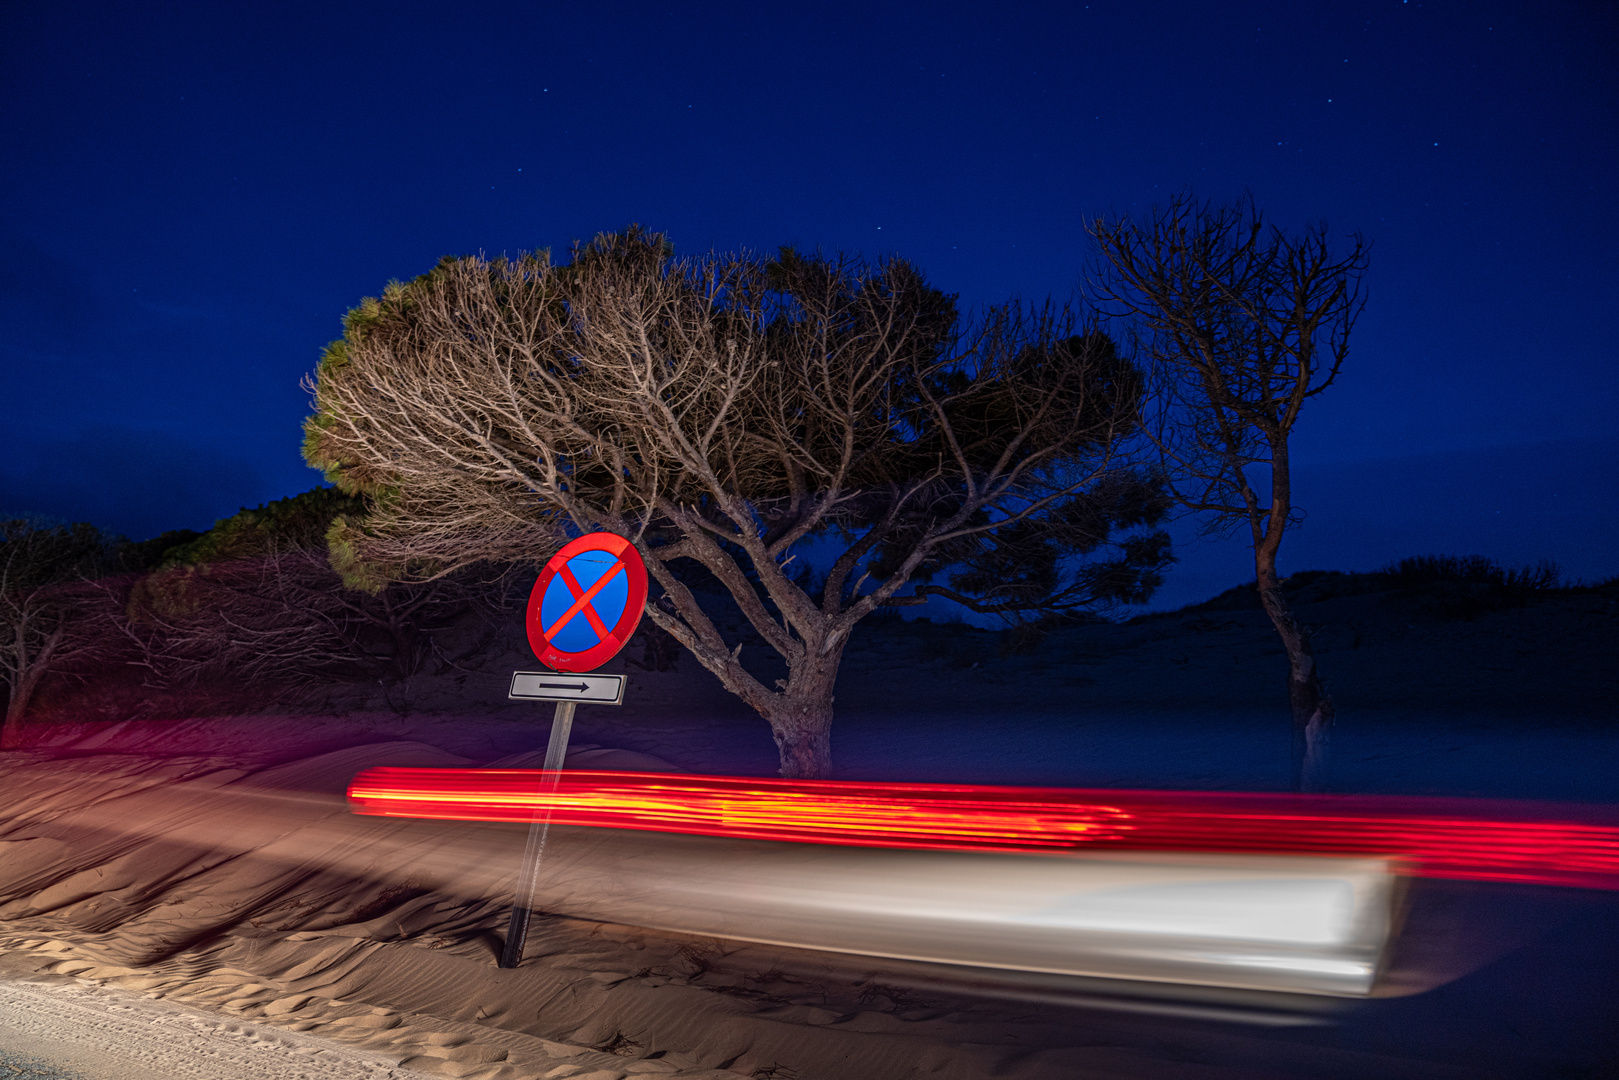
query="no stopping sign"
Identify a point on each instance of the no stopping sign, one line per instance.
(586, 603)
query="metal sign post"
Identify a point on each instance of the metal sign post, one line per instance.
(583, 609)
(523, 903)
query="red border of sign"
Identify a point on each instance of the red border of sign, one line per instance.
(634, 605)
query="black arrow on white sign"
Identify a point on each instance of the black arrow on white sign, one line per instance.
(549, 686)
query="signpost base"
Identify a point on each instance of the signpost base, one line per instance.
(528, 878)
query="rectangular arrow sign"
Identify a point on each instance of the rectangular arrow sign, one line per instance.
(559, 686)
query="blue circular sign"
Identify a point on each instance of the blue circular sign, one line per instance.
(587, 602)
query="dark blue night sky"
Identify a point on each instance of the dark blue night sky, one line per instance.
(192, 194)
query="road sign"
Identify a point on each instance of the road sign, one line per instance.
(551, 686)
(584, 607)
(586, 603)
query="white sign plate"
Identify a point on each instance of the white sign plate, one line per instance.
(565, 686)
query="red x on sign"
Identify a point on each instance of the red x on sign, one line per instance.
(586, 603)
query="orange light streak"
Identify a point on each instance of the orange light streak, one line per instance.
(1452, 838)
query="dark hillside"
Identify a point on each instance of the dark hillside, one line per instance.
(1190, 698)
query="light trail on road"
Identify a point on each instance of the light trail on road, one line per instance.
(1525, 843)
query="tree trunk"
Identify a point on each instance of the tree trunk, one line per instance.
(799, 711)
(806, 745)
(801, 722)
(22, 691)
(28, 672)
(1311, 708)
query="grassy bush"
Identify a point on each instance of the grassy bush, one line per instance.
(1425, 570)
(1467, 586)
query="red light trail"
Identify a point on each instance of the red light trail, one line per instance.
(1450, 838)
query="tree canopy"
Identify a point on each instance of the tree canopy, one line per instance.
(719, 411)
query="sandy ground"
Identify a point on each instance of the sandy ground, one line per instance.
(209, 863)
(253, 894)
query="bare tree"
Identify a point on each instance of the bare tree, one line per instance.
(280, 618)
(1242, 324)
(257, 598)
(260, 621)
(49, 615)
(723, 410)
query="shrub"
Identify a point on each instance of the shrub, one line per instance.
(1467, 586)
